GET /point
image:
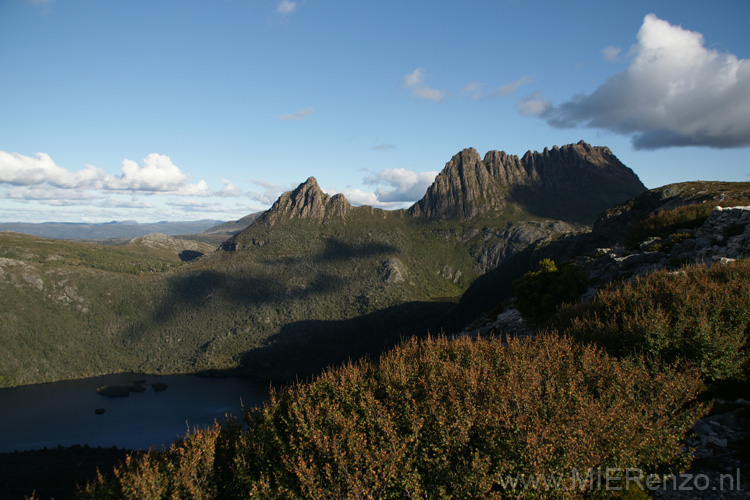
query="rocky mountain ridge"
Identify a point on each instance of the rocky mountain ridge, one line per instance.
(578, 179)
(494, 207)
(588, 178)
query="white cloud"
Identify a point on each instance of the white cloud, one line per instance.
(44, 193)
(302, 114)
(200, 188)
(157, 175)
(197, 206)
(400, 185)
(534, 105)
(476, 90)
(513, 86)
(133, 202)
(286, 7)
(269, 194)
(20, 170)
(360, 197)
(230, 189)
(473, 90)
(675, 92)
(396, 188)
(611, 53)
(414, 81)
(384, 146)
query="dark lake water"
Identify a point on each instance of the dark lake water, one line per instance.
(63, 413)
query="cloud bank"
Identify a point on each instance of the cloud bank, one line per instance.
(675, 92)
(37, 181)
(395, 187)
(157, 174)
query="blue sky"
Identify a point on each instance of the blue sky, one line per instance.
(181, 110)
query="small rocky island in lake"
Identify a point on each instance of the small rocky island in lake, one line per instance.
(121, 391)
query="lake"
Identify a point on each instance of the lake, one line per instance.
(63, 413)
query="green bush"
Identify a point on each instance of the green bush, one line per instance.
(436, 419)
(538, 294)
(700, 314)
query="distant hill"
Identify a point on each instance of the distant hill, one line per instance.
(232, 227)
(107, 230)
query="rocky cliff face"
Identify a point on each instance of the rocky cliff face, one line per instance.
(308, 201)
(573, 183)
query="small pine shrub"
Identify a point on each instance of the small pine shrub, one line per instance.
(538, 294)
(700, 314)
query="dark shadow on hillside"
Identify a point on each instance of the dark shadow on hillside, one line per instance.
(567, 205)
(337, 250)
(496, 286)
(188, 255)
(305, 348)
(194, 291)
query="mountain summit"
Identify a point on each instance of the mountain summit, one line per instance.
(574, 183)
(307, 201)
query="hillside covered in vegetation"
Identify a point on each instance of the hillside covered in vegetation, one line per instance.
(311, 282)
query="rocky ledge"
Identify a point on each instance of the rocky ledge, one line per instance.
(723, 237)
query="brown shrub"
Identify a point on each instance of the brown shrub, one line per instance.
(700, 314)
(440, 419)
(436, 419)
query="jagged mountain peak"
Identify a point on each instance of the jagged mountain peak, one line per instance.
(306, 201)
(574, 182)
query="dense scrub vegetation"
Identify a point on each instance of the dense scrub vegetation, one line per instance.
(539, 293)
(436, 418)
(700, 314)
(63, 305)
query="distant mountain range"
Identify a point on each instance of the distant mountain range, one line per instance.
(107, 230)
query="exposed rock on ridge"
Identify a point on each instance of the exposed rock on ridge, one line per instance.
(573, 183)
(307, 201)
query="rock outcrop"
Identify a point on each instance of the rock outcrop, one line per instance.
(307, 201)
(723, 237)
(613, 223)
(574, 183)
(161, 244)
